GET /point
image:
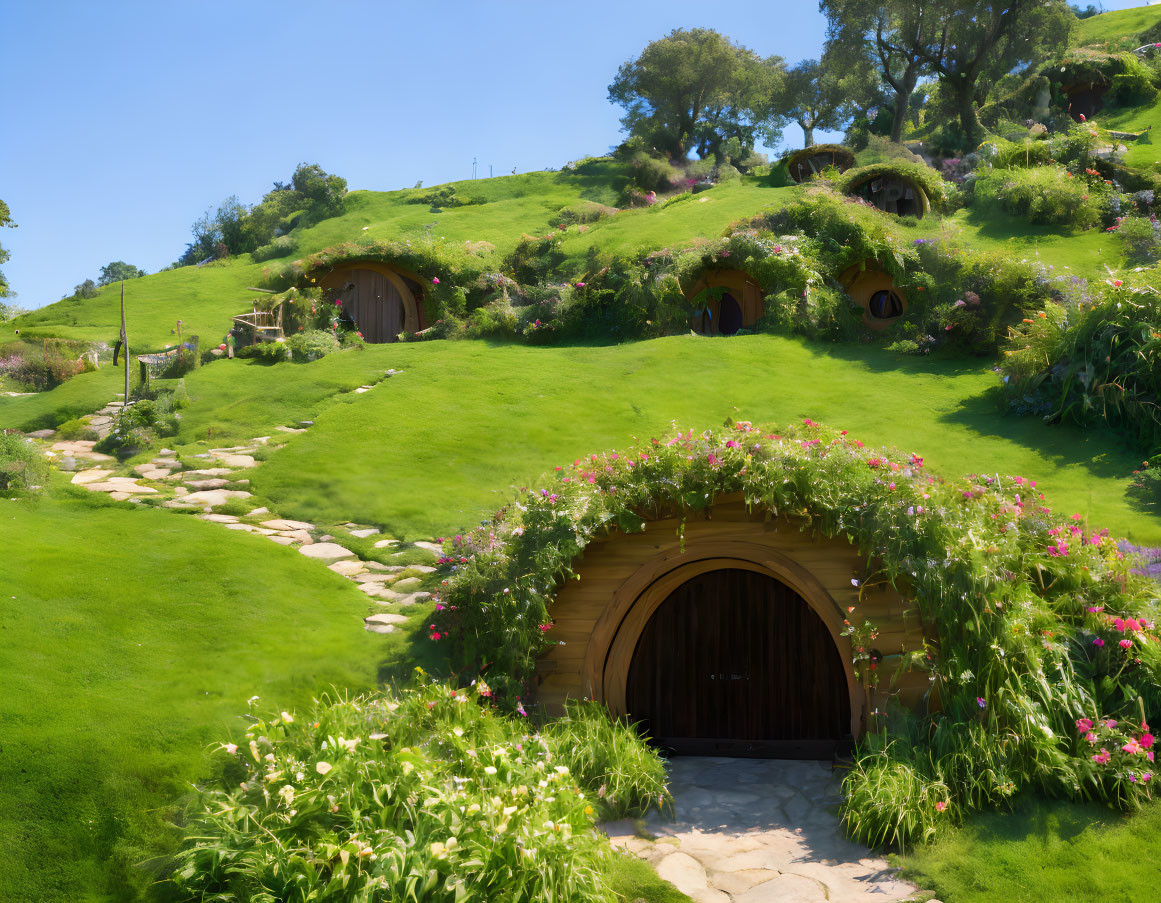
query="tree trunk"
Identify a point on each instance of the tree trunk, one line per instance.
(807, 133)
(903, 101)
(968, 120)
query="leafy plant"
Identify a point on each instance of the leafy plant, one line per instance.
(23, 468)
(424, 794)
(311, 345)
(1047, 195)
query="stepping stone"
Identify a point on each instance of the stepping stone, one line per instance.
(786, 887)
(683, 872)
(41, 434)
(281, 540)
(260, 440)
(297, 536)
(90, 476)
(326, 537)
(288, 429)
(386, 543)
(363, 534)
(375, 578)
(250, 528)
(119, 496)
(429, 547)
(219, 518)
(237, 461)
(122, 487)
(180, 491)
(207, 484)
(168, 451)
(371, 589)
(232, 449)
(258, 511)
(347, 568)
(383, 623)
(411, 598)
(408, 583)
(204, 472)
(376, 566)
(362, 389)
(283, 524)
(171, 463)
(154, 474)
(326, 551)
(212, 498)
(422, 568)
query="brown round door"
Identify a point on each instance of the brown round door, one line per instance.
(735, 662)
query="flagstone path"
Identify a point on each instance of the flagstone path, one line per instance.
(758, 831)
(218, 477)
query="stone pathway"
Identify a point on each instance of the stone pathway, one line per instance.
(218, 477)
(758, 831)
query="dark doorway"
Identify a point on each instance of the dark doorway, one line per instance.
(375, 305)
(729, 315)
(735, 663)
(885, 305)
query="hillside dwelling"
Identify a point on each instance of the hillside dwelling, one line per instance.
(876, 293)
(805, 164)
(893, 193)
(1085, 99)
(729, 641)
(727, 301)
(382, 301)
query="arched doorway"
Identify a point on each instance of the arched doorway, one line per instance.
(730, 315)
(735, 662)
(885, 304)
(373, 302)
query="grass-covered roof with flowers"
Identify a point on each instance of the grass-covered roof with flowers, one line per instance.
(1045, 653)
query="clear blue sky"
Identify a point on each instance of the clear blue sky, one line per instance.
(123, 121)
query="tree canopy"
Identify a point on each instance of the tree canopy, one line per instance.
(694, 90)
(825, 94)
(5, 222)
(118, 270)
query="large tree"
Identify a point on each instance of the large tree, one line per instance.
(825, 94)
(694, 90)
(979, 41)
(5, 222)
(117, 271)
(894, 35)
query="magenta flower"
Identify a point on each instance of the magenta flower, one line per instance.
(1083, 724)
(1102, 758)
(981, 702)
(1133, 747)
(1146, 740)
(1098, 642)
(1125, 644)
(435, 280)
(940, 806)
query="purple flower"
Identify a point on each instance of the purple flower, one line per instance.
(981, 702)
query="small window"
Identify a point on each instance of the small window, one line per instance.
(885, 305)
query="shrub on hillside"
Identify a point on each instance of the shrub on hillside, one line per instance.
(425, 794)
(1044, 195)
(282, 246)
(140, 425)
(582, 212)
(1088, 363)
(75, 429)
(1141, 238)
(1146, 489)
(23, 467)
(311, 345)
(267, 352)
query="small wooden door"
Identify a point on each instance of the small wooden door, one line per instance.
(736, 663)
(374, 303)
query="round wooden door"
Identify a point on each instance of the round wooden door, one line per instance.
(374, 303)
(735, 663)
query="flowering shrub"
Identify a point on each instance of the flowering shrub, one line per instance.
(1098, 360)
(1015, 597)
(427, 794)
(1047, 195)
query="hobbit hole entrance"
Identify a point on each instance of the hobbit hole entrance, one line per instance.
(379, 300)
(730, 320)
(735, 662)
(885, 305)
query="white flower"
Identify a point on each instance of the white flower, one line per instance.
(322, 767)
(286, 718)
(231, 748)
(287, 794)
(491, 769)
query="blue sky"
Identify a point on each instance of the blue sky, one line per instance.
(123, 121)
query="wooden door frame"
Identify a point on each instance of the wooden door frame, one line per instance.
(609, 652)
(334, 281)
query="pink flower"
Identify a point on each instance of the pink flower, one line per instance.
(1098, 642)
(580, 285)
(981, 702)
(713, 459)
(1109, 723)
(1125, 644)
(941, 806)
(1146, 740)
(435, 280)
(1091, 737)
(1083, 724)
(1117, 283)
(1133, 747)
(1102, 758)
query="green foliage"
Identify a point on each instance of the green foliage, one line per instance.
(43, 365)
(267, 352)
(442, 198)
(938, 192)
(5, 222)
(117, 271)
(75, 429)
(1146, 485)
(138, 426)
(890, 799)
(426, 793)
(312, 345)
(694, 90)
(1097, 360)
(1038, 626)
(583, 212)
(1141, 238)
(1046, 195)
(23, 467)
(282, 246)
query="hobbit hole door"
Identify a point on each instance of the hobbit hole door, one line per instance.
(374, 303)
(729, 315)
(736, 663)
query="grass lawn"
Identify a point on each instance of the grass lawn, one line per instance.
(82, 394)
(1112, 26)
(131, 640)
(1044, 852)
(440, 446)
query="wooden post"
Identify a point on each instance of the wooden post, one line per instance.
(124, 345)
(179, 341)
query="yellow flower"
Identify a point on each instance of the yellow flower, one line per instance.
(322, 767)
